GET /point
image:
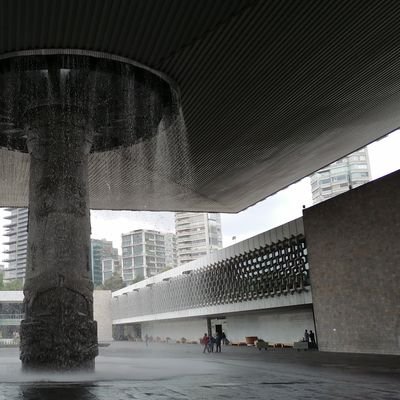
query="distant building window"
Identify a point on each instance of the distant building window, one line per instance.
(138, 250)
(126, 240)
(137, 238)
(127, 251)
(339, 170)
(127, 262)
(357, 175)
(138, 261)
(339, 178)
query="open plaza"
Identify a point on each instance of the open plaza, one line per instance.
(130, 370)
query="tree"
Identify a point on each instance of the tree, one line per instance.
(15, 284)
(113, 283)
(136, 280)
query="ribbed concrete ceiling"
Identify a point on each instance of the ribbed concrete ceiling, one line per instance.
(271, 90)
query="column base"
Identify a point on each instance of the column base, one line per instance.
(59, 334)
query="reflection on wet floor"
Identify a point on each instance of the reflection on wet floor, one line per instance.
(51, 391)
(126, 371)
(91, 391)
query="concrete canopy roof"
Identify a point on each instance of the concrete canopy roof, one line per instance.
(270, 91)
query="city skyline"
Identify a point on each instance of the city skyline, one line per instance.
(275, 210)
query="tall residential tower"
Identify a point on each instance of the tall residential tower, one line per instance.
(17, 232)
(197, 235)
(340, 176)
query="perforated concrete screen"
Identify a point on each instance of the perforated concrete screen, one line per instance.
(269, 91)
(277, 270)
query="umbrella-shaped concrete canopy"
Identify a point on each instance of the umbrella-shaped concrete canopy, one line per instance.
(59, 108)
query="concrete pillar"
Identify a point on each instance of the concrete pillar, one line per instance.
(58, 331)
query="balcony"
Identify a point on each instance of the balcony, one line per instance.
(9, 251)
(10, 225)
(10, 234)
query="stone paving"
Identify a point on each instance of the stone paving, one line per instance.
(126, 370)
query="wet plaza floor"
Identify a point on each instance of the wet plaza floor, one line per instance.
(127, 370)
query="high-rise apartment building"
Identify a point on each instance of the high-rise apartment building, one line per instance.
(197, 235)
(146, 253)
(340, 176)
(17, 232)
(100, 249)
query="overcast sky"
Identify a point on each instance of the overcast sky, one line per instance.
(275, 210)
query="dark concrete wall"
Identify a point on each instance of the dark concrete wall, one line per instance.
(353, 242)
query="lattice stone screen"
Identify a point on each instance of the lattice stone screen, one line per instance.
(272, 270)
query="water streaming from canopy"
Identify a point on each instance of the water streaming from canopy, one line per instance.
(134, 115)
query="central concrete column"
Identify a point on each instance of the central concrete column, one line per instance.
(58, 331)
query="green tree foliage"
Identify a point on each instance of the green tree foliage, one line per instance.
(15, 284)
(113, 283)
(116, 283)
(136, 280)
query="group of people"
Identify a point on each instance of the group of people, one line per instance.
(210, 341)
(309, 337)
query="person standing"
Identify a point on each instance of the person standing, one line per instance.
(205, 342)
(306, 336)
(223, 337)
(218, 339)
(312, 339)
(211, 342)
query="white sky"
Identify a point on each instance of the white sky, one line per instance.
(280, 208)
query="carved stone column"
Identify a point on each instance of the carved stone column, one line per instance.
(58, 331)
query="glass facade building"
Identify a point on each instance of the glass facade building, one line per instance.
(100, 249)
